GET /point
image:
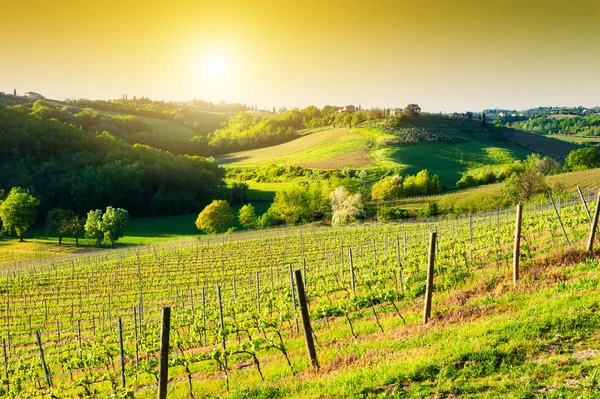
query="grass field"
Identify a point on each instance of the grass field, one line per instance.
(310, 148)
(588, 180)
(162, 127)
(581, 140)
(358, 149)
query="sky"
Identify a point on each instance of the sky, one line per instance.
(443, 55)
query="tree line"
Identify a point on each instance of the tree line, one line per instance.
(19, 210)
(66, 167)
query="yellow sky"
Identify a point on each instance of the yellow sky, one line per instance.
(443, 55)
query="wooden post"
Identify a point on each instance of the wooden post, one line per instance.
(257, 292)
(430, 271)
(79, 333)
(517, 246)
(122, 353)
(44, 365)
(310, 343)
(135, 337)
(590, 246)
(222, 324)
(470, 228)
(585, 207)
(164, 353)
(5, 364)
(558, 216)
(352, 282)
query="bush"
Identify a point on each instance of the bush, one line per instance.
(215, 218)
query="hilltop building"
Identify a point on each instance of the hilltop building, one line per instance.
(395, 112)
(33, 95)
(347, 108)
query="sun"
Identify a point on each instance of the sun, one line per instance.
(214, 67)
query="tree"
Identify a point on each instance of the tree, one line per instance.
(386, 189)
(469, 115)
(58, 221)
(522, 186)
(583, 158)
(238, 193)
(76, 227)
(412, 110)
(247, 216)
(94, 227)
(217, 217)
(114, 222)
(483, 120)
(18, 212)
(345, 207)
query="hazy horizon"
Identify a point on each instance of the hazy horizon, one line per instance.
(444, 56)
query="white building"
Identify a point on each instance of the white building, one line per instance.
(34, 95)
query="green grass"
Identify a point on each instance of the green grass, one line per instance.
(582, 140)
(162, 127)
(478, 150)
(537, 340)
(308, 148)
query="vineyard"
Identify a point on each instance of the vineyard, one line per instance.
(235, 323)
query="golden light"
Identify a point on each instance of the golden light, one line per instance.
(214, 67)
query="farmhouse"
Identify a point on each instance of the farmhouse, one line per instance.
(34, 95)
(395, 112)
(347, 108)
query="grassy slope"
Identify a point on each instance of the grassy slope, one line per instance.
(162, 127)
(450, 161)
(586, 179)
(486, 339)
(308, 148)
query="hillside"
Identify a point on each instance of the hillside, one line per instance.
(365, 285)
(463, 148)
(65, 166)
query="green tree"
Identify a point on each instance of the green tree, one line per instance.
(583, 158)
(483, 122)
(217, 217)
(76, 227)
(58, 221)
(247, 216)
(412, 110)
(114, 222)
(94, 227)
(18, 212)
(522, 186)
(386, 189)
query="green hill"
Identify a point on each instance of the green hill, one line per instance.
(447, 146)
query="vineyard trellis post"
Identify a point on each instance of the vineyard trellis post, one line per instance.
(43, 360)
(5, 364)
(164, 353)
(585, 207)
(430, 272)
(308, 333)
(258, 292)
(590, 246)
(122, 353)
(222, 325)
(517, 244)
(352, 281)
(135, 337)
(558, 216)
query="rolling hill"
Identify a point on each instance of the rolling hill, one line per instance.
(373, 147)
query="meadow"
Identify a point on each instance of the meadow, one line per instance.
(365, 286)
(367, 148)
